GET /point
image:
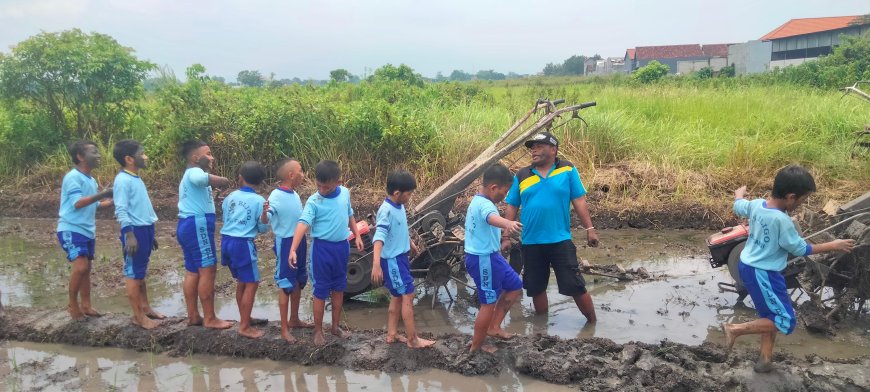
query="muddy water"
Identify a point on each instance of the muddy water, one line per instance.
(36, 366)
(686, 307)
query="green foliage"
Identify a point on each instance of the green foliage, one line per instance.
(459, 76)
(704, 73)
(250, 78)
(490, 75)
(339, 75)
(727, 71)
(402, 73)
(651, 72)
(849, 62)
(71, 85)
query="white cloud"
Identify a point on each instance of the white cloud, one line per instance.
(41, 8)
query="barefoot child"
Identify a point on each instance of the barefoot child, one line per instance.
(328, 214)
(195, 233)
(285, 208)
(498, 285)
(135, 214)
(391, 246)
(772, 236)
(77, 223)
(243, 214)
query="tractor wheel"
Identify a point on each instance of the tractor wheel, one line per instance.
(733, 262)
(359, 273)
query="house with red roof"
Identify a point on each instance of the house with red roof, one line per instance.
(679, 58)
(799, 40)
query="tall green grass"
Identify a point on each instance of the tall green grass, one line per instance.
(680, 137)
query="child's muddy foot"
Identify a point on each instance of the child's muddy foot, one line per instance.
(288, 337)
(194, 322)
(91, 312)
(501, 334)
(340, 333)
(217, 324)
(153, 314)
(146, 323)
(75, 313)
(729, 336)
(420, 343)
(252, 333)
(396, 338)
(489, 348)
(300, 324)
(319, 340)
(763, 366)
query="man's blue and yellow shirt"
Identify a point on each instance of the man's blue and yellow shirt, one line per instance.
(545, 202)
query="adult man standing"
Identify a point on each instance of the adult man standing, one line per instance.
(545, 192)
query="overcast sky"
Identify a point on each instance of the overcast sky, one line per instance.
(307, 39)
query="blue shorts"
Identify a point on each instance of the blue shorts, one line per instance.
(76, 245)
(135, 265)
(770, 296)
(327, 266)
(397, 275)
(493, 275)
(290, 278)
(195, 234)
(240, 255)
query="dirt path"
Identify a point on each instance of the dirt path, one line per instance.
(593, 364)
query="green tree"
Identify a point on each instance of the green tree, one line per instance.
(85, 84)
(401, 73)
(704, 73)
(650, 72)
(727, 71)
(490, 75)
(459, 76)
(574, 65)
(552, 69)
(339, 75)
(250, 78)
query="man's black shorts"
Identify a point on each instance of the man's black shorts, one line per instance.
(562, 257)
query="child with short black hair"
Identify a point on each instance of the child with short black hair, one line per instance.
(328, 213)
(392, 243)
(285, 208)
(498, 285)
(195, 233)
(772, 236)
(243, 214)
(77, 223)
(136, 215)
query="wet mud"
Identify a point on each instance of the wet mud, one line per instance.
(592, 364)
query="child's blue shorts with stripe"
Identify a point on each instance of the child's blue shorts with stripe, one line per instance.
(770, 296)
(288, 278)
(76, 245)
(195, 234)
(397, 275)
(136, 265)
(327, 266)
(493, 275)
(240, 255)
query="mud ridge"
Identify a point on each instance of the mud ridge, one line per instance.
(592, 364)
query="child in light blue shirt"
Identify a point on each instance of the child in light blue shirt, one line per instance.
(285, 208)
(77, 223)
(243, 214)
(392, 243)
(772, 236)
(134, 212)
(329, 215)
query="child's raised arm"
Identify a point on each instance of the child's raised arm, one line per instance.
(508, 226)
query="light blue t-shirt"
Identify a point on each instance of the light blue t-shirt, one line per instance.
(481, 238)
(327, 216)
(285, 208)
(772, 236)
(545, 202)
(132, 204)
(194, 194)
(82, 220)
(392, 230)
(241, 214)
